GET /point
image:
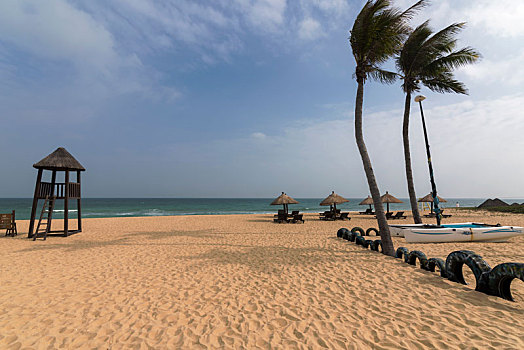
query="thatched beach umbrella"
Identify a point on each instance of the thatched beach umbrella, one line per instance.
(387, 198)
(367, 201)
(284, 200)
(333, 199)
(429, 199)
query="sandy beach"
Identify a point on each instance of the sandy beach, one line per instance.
(241, 281)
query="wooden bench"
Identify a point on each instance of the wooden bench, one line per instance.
(7, 222)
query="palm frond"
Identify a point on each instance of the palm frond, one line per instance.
(378, 33)
(455, 59)
(411, 11)
(430, 60)
(445, 84)
(383, 76)
(445, 39)
(407, 58)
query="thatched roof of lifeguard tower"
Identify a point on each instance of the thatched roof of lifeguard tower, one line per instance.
(60, 159)
(333, 198)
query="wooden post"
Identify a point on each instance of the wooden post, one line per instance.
(35, 203)
(53, 181)
(66, 204)
(79, 205)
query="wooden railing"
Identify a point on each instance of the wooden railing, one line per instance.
(46, 189)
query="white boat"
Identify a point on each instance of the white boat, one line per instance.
(458, 232)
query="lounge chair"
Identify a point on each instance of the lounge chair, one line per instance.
(389, 215)
(444, 215)
(327, 215)
(281, 217)
(399, 215)
(297, 218)
(344, 216)
(432, 215)
(368, 211)
(8, 223)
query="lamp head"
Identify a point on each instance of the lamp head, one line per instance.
(420, 98)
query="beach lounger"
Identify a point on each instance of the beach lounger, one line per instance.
(297, 218)
(432, 215)
(399, 215)
(327, 215)
(368, 211)
(281, 217)
(344, 216)
(7, 222)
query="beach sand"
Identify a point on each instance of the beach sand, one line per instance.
(241, 281)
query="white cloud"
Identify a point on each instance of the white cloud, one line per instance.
(265, 15)
(507, 70)
(258, 135)
(476, 147)
(331, 6)
(55, 29)
(309, 29)
(501, 18)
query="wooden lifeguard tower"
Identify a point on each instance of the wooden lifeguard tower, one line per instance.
(58, 161)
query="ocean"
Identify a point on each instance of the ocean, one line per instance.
(125, 207)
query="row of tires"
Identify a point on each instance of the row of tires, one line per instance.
(493, 281)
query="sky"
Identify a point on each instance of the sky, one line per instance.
(247, 98)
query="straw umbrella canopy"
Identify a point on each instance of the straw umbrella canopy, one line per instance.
(387, 198)
(429, 199)
(284, 200)
(333, 199)
(367, 201)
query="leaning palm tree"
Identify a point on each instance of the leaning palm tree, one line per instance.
(377, 35)
(428, 59)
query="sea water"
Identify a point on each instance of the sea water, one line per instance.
(125, 207)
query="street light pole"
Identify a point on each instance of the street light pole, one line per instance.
(419, 99)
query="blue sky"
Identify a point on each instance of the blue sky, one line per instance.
(245, 98)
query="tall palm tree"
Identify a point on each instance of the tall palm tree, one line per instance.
(429, 59)
(377, 35)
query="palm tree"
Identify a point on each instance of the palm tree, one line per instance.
(377, 35)
(428, 59)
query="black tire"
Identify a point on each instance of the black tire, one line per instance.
(402, 253)
(417, 254)
(437, 262)
(372, 229)
(359, 240)
(353, 236)
(376, 244)
(500, 278)
(343, 233)
(367, 243)
(357, 229)
(457, 259)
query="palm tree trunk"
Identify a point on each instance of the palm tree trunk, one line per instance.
(387, 243)
(407, 160)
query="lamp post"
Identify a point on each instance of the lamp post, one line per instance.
(419, 99)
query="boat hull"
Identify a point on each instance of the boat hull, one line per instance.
(461, 232)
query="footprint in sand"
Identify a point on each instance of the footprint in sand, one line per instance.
(279, 322)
